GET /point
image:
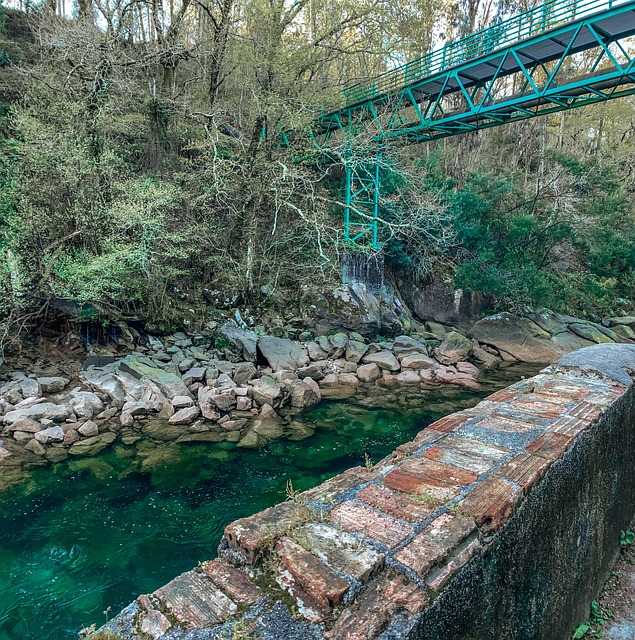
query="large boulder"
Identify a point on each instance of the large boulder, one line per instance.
(244, 341)
(104, 380)
(304, 393)
(518, 337)
(86, 404)
(552, 323)
(441, 302)
(266, 391)
(140, 367)
(624, 333)
(453, 348)
(46, 410)
(589, 332)
(281, 353)
(385, 360)
(620, 320)
(349, 307)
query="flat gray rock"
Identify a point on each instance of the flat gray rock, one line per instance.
(614, 361)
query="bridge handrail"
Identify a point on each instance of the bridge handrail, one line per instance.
(519, 27)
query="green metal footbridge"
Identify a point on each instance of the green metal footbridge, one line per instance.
(557, 56)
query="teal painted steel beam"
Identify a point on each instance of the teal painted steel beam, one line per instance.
(471, 73)
(471, 84)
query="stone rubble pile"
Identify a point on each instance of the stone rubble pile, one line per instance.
(181, 388)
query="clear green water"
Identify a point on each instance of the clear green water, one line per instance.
(91, 534)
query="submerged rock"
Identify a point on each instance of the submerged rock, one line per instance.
(92, 446)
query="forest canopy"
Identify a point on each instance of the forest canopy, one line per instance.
(142, 175)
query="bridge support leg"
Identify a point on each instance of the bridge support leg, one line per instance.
(361, 212)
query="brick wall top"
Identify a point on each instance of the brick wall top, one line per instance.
(369, 547)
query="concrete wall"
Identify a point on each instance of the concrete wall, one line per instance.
(498, 522)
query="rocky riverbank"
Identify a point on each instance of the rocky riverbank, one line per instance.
(248, 389)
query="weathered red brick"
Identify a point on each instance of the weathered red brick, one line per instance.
(341, 550)
(381, 528)
(562, 387)
(374, 609)
(466, 454)
(507, 423)
(435, 543)
(434, 492)
(558, 390)
(554, 398)
(394, 503)
(251, 536)
(330, 489)
(313, 584)
(195, 602)
(501, 396)
(524, 470)
(427, 436)
(549, 445)
(491, 503)
(533, 405)
(151, 621)
(433, 471)
(234, 582)
(617, 390)
(569, 426)
(586, 411)
(460, 556)
(451, 422)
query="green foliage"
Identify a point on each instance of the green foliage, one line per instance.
(221, 343)
(598, 617)
(580, 631)
(627, 538)
(128, 187)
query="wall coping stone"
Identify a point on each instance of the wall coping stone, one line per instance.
(367, 553)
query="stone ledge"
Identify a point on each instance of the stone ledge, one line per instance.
(372, 552)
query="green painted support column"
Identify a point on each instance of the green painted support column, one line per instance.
(361, 208)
